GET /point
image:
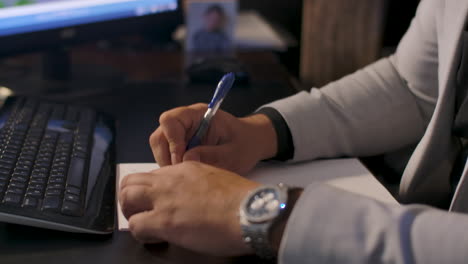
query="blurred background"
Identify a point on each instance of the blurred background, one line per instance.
(323, 40)
(334, 37)
(336, 20)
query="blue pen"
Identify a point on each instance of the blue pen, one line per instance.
(224, 86)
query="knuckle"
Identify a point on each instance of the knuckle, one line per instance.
(155, 138)
(199, 106)
(166, 117)
(190, 165)
(198, 109)
(138, 229)
(167, 220)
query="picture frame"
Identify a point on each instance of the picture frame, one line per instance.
(211, 26)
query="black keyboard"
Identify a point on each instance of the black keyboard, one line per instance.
(56, 166)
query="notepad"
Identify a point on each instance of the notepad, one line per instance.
(346, 174)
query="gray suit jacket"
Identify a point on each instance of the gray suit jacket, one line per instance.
(405, 100)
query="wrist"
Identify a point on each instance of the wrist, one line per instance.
(263, 134)
(277, 230)
(264, 214)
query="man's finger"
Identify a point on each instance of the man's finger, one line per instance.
(160, 148)
(135, 199)
(137, 179)
(178, 125)
(142, 227)
(175, 130)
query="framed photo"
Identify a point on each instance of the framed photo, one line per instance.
(211, 26)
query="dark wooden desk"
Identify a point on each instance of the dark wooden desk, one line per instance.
(156, 84)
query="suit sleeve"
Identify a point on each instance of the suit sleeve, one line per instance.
(333, 226)
(381, 108)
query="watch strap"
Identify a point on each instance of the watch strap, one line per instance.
(257, 235)
(258, 240)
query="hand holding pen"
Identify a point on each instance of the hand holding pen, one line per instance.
(204, 133)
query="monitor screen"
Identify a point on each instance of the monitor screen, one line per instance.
(25, 16)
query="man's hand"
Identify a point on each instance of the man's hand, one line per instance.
(191, 205)
(235, 144)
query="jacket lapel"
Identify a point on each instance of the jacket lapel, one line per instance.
(427, 176)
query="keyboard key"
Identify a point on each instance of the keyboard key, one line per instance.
(16, 184)
(59, 186)
(6, 165)
(28, 152)
(20, 178)
(34, 193)
(35, 180)
(53, 192)
(12, 198)
(2, 185)
(4, 177)
(25, 163)
(42, 164)
(13, 149)
(72, 209)
(14, 190)
(65, 138)
(58, 170)
(24, 167)
(38, 175)
(15, 142)
(61, 164)
(51, 135)
(73, 190)
(80, 155)
(4, 172)
(30, 202)
(51, 203)
(20, 172)
(36, 186)
(56, 180)
(40, 170)
(27, 157)
(72, 198)
(59, 174)
(9, 156)
(76, 172)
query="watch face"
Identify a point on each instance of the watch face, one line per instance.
(264, 205)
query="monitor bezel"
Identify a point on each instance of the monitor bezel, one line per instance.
(67, 36)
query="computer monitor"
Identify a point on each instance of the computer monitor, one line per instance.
(27, 25)
(50, 25)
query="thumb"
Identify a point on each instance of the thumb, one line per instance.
(213, 155)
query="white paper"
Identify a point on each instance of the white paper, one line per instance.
(346, 174)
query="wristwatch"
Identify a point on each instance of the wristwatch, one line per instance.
(259, 211)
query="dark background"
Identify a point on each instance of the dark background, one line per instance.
(288, 14)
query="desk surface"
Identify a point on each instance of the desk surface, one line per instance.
(156, 85)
